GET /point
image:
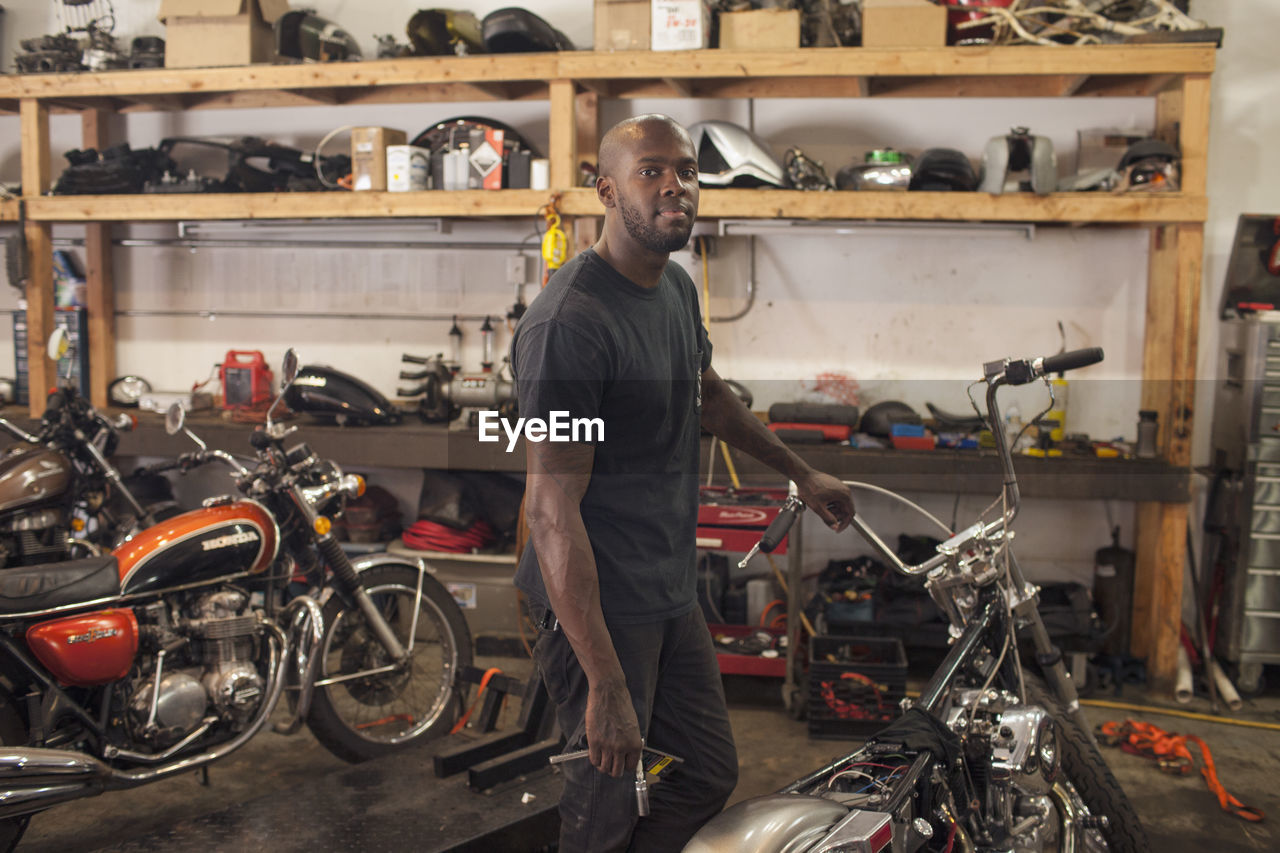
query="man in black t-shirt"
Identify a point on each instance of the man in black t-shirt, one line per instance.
(616, 339)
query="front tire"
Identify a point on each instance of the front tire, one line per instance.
(1084, 767)
(366, 717)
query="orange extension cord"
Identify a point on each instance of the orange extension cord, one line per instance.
(1171, 753)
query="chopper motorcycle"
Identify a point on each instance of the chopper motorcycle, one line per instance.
(174, 650)
(990, 757)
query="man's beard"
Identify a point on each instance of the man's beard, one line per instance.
(647, 235)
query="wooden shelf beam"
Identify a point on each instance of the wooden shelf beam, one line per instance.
(163, 207)
(928, 206)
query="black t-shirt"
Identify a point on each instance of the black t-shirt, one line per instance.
(594, 344)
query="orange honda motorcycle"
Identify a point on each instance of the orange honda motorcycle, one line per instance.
(174, 649)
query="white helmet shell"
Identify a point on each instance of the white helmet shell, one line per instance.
(729, 155)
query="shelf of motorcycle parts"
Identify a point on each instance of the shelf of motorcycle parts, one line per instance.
(417, 445)
(715, 204)
(296, 205)
(1100, 70)
(1133, 208)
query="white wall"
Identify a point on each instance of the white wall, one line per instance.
(889, 312)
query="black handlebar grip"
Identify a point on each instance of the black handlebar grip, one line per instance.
(414, 359)
(778, 529)
(1064, 361)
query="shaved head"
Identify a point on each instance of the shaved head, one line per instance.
(620, 138)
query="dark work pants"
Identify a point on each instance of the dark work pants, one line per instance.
(671, 671)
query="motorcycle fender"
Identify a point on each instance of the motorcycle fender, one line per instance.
(369, 561)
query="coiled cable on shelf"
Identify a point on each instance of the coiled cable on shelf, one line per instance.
(425, 535)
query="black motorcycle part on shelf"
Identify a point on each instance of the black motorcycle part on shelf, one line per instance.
(943, 170)
(56, 584)
(1148, 148)
(879, 419)
(115, 170)
(303, 35)
(515, 30)
(147, 52)
(437, 137)
(255, 165)
(951, 421)
(814, 413)
(331, 395)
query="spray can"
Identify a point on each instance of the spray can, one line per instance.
(1059, 411)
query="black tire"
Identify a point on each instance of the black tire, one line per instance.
(1083, 766)
(13, 732)
(367, 717)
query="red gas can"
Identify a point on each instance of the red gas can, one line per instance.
(246, 380)
(95, 648)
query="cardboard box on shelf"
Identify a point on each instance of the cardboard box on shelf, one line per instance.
(622, 24)
(203, 33)
(680, 25)
(760, 29)
(903, 23)
(369, 156)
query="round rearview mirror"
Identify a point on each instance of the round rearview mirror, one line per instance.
(174, 419)
(290, 369)
(59, 343)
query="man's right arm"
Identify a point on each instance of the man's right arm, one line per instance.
(558, 475)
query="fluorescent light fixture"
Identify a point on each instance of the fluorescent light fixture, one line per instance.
(869, 228)
(308, 230)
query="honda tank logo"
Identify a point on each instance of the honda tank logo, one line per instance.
(230, 539)
(92, 635)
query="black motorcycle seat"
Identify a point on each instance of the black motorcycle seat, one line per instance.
(32, 588)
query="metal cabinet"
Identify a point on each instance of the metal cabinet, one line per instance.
(1245, 499)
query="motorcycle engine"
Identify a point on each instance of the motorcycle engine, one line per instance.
(212, 672)
(1022, 744)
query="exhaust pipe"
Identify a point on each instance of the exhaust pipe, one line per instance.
(34, 779)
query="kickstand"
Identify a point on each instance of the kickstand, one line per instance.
(203, 775)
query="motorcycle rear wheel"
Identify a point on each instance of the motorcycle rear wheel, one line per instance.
(374, 715)
(1088, 773)
(12, 733)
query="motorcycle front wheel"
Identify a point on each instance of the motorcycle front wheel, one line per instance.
(1083, 766)
(371, 715)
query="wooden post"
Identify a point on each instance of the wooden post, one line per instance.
(100, 285)
(586, 229)
(1169, 371)
(34, 118)
(564, 136)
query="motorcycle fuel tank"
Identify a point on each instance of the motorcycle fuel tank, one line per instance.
(31, 477)
(201, 545)
(332, 395)
(95, 648)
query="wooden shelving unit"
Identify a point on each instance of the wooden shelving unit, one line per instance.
(8, 210)
(1176, 76)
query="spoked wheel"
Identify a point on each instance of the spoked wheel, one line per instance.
(1090, 782)
(370, 715)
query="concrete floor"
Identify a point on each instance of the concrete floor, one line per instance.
(1179, 812)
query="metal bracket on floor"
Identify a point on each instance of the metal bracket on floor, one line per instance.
(501, 756)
